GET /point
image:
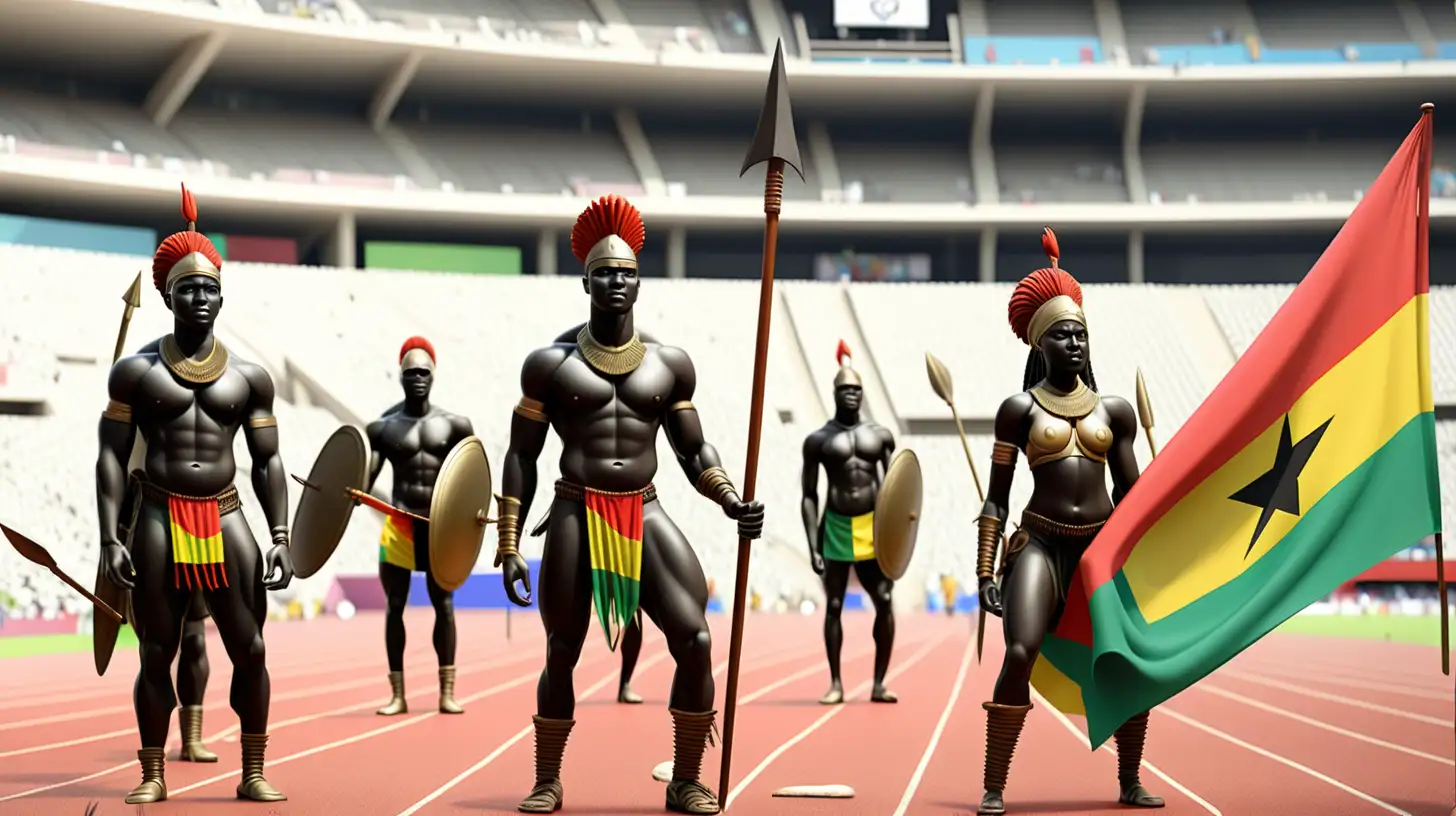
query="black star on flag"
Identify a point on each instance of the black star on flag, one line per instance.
(1278, 488)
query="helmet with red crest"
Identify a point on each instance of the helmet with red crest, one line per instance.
(183, 254)
(608, 233)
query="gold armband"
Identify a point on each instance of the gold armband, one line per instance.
(1003, 453)
(531, 409)
(508, 526)
(262, 422)
(715, 484)
(117, 412)
(986, 553)
(683, 405)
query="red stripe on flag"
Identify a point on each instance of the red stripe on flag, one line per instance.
(622, 513)
(1369, 272)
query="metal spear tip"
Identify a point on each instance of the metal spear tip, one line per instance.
(775, 137)
(133, 295)
(32, 551)
(939, 378)
(1144, 405)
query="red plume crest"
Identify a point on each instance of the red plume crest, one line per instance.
(608, 215)
(1049, 245)
(417, 342)
(189, 208)
(842, 352)
(181, 244)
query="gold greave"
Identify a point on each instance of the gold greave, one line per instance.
(546, 796)
(153, 787)
(1003, 729)
(253, 785)
(447, 691)
(189, 719)
(1130, 738)
(396, 704)
(689, 738)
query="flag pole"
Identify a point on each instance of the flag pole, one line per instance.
(1423, 266)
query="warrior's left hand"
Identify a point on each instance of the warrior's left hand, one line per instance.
(749, 516)
(278, 560)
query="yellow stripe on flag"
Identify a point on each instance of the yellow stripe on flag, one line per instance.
(864, 536)
(612, 551)
(1369, 396)
(1058, 689)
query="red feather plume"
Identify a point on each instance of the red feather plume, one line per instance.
(179, 245)
(1049, 245)
(608, 215)
(417, 342)
(842, 352)
(189, 208)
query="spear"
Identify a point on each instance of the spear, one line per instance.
(775, 143)
(945, 389)
(133, 300)
(1145, 412)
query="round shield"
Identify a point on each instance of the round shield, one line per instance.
(324, 506)
(897, 514)
(458, 512)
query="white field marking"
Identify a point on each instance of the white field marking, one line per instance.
(1152, 769)
(950, 704)
(295, 695)
(1336, 698)
(1335, 729)
(517, 737)
(1305, 769)
(480, 695)
(1347, 681)
(857, 691)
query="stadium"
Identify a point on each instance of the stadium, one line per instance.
(376, 169)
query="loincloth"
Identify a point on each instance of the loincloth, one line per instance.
(1060, 544)
(195, 530)
(847, 538)
(405, 543)
(614, 532)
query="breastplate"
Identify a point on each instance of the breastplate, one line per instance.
(1056, 436)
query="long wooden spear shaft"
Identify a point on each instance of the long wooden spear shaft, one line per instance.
(775, 143)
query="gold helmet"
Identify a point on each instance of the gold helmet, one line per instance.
(847, 375)
(608, 233)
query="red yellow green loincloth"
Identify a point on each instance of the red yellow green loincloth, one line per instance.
(614, 530)
(197, 552)
(846, 538)
(397, 542)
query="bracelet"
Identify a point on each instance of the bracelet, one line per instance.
(715, 484)
(507, 527)
(117, 412)
(990, 537)
(1003, 453)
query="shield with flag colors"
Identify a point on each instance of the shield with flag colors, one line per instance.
(1313, 460)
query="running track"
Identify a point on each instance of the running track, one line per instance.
(1293, 726)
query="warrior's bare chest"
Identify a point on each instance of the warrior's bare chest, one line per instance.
(580, 390)
(162, 399)
(407, 437)
(845, 445)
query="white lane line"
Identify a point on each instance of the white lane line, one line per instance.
(1336, 698)
(950, 704)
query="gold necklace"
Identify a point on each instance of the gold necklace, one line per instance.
(206, 370)
(612, 360)
(1075, 405)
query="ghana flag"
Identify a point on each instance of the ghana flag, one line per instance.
(1313, 460)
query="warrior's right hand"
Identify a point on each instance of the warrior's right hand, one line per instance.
(513, 569)
(817, 562)
(119, 570)
(990, 596)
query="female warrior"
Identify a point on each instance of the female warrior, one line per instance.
(1070, 434)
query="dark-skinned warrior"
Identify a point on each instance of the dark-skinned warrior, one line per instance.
(854, 453)
(188, 397)
(414, 436)
(606, 389)
(1072, 437)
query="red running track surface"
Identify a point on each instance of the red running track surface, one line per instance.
(1293, 726)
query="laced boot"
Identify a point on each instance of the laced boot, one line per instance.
(447, 692)
(690, 735)
(190, 721)
(153, 787)
(396, 704)
(1130, 740)
(254, 786)
(1003, 729)
(550, 746)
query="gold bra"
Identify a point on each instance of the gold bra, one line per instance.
(1067, 425)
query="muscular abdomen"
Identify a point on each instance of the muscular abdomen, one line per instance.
(1071, 490)
(610, 451)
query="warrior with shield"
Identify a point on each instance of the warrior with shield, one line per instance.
(414, 437)
(852, 451)
(188, 397)
(1072, 437)
(606, 389)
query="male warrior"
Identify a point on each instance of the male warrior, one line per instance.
(188, 397)
(854, 453)
(415, 437)
(606, 390)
